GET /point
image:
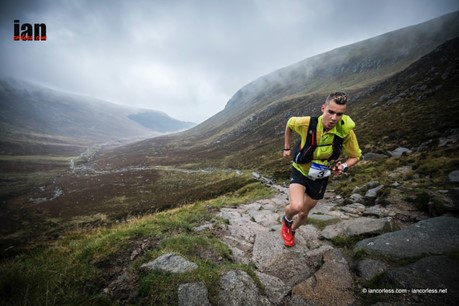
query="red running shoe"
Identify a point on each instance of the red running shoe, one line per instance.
(287, 234)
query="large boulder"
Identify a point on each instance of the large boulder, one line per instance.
(332, 284)
(433, 236)
(359, 226)
(238, 288)
(291, 267)
(431, 281)
(275, 289)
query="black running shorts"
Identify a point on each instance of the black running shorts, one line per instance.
(314, 188)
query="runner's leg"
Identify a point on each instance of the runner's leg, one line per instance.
(308, 204)
(296, 195)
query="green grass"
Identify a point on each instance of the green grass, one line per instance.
(106, 198)
(70, 271)
(347, 242)
(321, 224)
(429, 171)
(73, 269)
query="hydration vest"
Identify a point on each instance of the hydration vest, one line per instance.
(303, 155)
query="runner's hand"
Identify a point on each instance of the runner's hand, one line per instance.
(337, 169)
(287, 153)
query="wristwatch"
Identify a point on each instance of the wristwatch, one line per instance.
(344, 167)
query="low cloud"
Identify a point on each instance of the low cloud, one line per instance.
(187, 58)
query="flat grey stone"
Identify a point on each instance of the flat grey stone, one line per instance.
(275, 288)
(399, 152)
(291, 267)
(376, 210)
(359, 226)
(434, 236)
(238, 288)
(356, 198)
(332, 284)
(354, 208)
(373, 193)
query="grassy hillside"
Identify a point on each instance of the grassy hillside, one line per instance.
(76, 268)
(66, 230)
(415, 106)
(354, 67)
(252, 124)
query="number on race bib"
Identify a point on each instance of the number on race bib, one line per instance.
(318, 171)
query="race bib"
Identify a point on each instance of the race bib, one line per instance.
(318, 171)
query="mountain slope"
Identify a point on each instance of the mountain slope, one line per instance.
(352, 67)
(248, 133)
(415, 107)
(160, 122)
(41, 117)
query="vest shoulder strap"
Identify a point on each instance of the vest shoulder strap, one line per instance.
(304, 154)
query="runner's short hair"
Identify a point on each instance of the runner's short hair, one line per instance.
(339, 97)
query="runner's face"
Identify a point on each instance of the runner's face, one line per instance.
(332, 114)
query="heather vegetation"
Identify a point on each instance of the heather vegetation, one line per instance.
(75, 227)
(74, 269)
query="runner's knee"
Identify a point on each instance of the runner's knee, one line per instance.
(295, 206)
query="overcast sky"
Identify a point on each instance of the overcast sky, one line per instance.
(186, 58)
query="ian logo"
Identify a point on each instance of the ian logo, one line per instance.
(27, 31)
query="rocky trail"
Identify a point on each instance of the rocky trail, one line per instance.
(389, 262)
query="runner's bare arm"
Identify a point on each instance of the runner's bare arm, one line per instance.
(287, 149)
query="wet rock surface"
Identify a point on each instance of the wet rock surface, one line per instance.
(438, 235)
(316, 272)
(417, 253)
